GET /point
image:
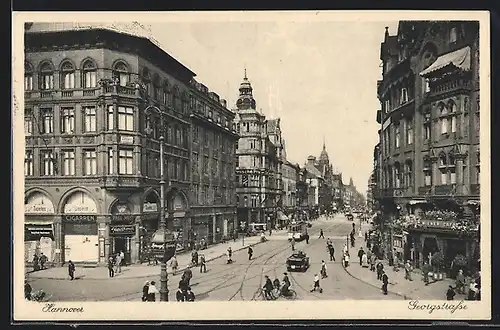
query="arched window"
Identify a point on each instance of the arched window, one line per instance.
(452, 108)
(89, 74)
(67, 75)
(397, 175)
(165, 93)
(452, 168)
(443, 167)
(46, 76)
(120, 72)
(408, 173)
(146, 80)
(176, 99)
(427, 169)
(156, 87)
(444, 119)
(28, 77)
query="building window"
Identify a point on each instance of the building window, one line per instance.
(28, 77)
(89, 76)
(164, 93)
(157, 90)
(89, 162)
(397, 175)
(409, 174)
(453, 120)
(253, 201)
(68, 162)
(453, 176)
(444, 120)
(404, 95)
(28, 163)
(176, 99)
(67, 120)
(120, 73)
(453, 35)
(46, 77)
(47, 118)
(47, 158)
(28, 122)
(387, 106)
(427, 127)
(111, 162)
(427, 85)
(89, 119)
(126, 160)
(205, 164)
(409, 131)
(186, 171)
(397, 136)
(125, 118)
(444, 177)
(67, 76)
(111, 118)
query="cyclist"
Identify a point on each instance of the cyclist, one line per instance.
(268, 288)
(286, 285)
(277, 285)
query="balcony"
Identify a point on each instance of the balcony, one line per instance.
(444, 190)
(475, 189)
(464, 84)
(118, 182)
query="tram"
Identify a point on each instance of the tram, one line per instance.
(297, 230)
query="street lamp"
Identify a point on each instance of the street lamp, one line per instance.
(168, 244)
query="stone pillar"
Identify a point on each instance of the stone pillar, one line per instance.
(459, 172)
(435, 172)
(59, 241)
(135, 253)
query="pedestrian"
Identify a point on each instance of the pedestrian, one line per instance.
(345, 249)
(111, 267)
(27, 290)
(364, 260)
(385, 282)
(235, 234)
(43, 260)
(396, 261)
(270, 231)
(35, 262)
(179, 295)
(366, 236)
(268, 288)
(321, 235)
(307, 238)
(323, 269)
(316, 285)
(174, 264)
(331, 250)
(460, 282)
(346, 260)
(194, 258)
(373, 261)
(293, 243)
(145, 291)
(353, 239)
(229, 255)
(189, 295)
(472, 290)
(152, 291)
(118, 263)
(426, 269)
(122, 257)
(380, 270)
(361, 252)
(71, 270)
(250, 253)
(188, 275)
(203, 264)
(450, 294)
(390, 256)
(408, 270)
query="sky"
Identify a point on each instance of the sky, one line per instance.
(320, 78)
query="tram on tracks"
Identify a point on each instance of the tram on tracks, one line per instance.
(297, 230)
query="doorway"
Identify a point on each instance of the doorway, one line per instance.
(122, 244)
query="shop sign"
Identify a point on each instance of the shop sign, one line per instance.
(122, 230)
(80, 229)
(72, 208)
(150, 207)
(35, 232)
(126, 218)
(126, 139)
(80, 218)
(38, 209)
(179, 214)
(437, 223)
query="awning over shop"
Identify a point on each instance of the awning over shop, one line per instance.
(460, 59)
(33, 232)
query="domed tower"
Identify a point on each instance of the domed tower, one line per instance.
(245, 100)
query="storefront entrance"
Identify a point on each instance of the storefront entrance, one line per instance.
(81, 240)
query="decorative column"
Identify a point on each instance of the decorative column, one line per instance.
(136, 253)
(59, 240)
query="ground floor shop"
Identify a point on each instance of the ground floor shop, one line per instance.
(88, 225)
(213, 224)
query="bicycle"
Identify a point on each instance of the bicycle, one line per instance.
(262, 294)
(292, 295)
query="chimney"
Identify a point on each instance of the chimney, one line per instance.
(386, 33)
(311, 160)
(223, 103)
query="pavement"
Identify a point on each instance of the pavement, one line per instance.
(143, 270)
(409, 290)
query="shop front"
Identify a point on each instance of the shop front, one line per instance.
(39, 227)
(123, 228)
(80, 229)
(178, 219)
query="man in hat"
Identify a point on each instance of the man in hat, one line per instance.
(286, 285)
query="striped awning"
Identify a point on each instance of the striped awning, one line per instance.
(459, 59)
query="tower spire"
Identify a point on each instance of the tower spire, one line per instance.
(324, 144)
(245, 72)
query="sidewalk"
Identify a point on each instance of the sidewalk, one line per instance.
(409, 290)
(143, 270)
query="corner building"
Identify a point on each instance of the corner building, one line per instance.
(92, 155)
(259, 161)
(428, 156)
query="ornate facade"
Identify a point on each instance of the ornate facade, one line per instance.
(428, 161)
(92, 153)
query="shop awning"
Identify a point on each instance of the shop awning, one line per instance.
(33, 232)
(459, 59)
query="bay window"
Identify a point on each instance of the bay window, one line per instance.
(125, 118)
(126, 161)
(111, 161)
(120, 73)
(111, 118)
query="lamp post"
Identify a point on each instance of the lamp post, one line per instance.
(163, 224)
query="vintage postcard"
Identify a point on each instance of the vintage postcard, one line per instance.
(251, 165)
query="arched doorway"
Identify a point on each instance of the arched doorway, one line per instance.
(81, 243)
(38, 227)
